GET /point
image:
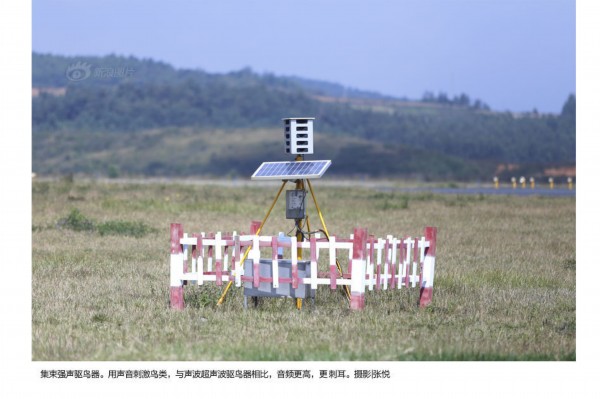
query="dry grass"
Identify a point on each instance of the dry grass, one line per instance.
(505, 279)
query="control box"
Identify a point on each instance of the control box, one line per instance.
(295, 204)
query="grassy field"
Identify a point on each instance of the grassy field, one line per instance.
(504, 287)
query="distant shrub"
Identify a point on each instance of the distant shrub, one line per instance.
(124, 228)
(113, 171)
(392, 201)
(400, 203)
(78, 222)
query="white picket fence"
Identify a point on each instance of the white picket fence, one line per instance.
(373, 264)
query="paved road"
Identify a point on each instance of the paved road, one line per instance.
(379, 185)
(522, 192)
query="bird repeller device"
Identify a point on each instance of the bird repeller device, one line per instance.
(299, 141)
(256, 262)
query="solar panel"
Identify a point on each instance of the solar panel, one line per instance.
(291, 170)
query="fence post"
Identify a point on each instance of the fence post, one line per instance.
(256, 262)
(197, 258)
(294, 248)
(239, 268)
(218, 260)
(332, 265)
(275, 261)
(176, 291)
(371, 262)
(357, 282)
(254, 226)
(428, 268)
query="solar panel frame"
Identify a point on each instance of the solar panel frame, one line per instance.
(291, 170)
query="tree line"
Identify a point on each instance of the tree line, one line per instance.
(156, 95)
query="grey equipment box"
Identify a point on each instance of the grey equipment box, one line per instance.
(284, 289)
(295, 204)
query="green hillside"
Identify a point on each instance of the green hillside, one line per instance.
(128, 116)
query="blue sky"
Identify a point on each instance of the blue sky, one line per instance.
(512, 54)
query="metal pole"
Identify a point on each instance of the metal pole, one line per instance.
(299, 225)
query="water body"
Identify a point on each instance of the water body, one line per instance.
(521, 192)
